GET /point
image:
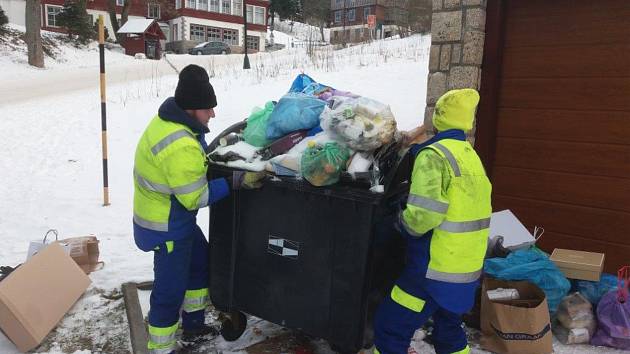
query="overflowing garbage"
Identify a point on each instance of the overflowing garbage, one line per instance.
(314, 132)
(583, 304)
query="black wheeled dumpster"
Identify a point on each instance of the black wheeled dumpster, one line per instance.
(316, 259)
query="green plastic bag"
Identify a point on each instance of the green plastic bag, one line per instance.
(322, 164)
(255, 132)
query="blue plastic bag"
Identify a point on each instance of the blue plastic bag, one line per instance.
(535, 267)
(294, 111)
(305, 84)
(300, 83)
(593, 290)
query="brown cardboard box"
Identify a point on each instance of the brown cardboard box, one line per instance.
(578, 264)
(36, 296)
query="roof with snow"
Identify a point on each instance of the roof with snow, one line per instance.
(136, 25)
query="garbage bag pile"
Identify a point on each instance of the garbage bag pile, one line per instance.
(313, 132)
(594, 312)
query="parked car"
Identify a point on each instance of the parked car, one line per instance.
(210, 48)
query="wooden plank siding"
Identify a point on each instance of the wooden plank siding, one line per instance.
(561, 149)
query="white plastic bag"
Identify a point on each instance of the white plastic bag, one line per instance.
(36, 246)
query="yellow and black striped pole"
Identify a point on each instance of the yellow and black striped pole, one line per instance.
(101, 50)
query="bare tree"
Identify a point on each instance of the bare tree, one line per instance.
(33, 36)
(111, 8)
(317, 13)
(411, 16)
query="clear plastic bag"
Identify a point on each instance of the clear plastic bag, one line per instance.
(360, 123)
(572, 336)
(575, 311)
(321, 165)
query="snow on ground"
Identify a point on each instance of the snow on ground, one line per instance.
(13, 57)
(51, 165)
(21, 82)
(301, 31)
(280, 38)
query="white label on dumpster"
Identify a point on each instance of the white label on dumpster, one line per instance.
(283, 247)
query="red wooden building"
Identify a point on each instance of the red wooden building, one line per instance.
(142, 36)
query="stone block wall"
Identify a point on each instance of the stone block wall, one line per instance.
(457, 39)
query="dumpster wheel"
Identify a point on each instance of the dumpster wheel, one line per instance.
(234, 326)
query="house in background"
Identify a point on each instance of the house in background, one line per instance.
(142, 36)
(349, 19)
(199, 21)
(185, 23)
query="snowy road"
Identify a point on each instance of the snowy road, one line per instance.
(85, 76)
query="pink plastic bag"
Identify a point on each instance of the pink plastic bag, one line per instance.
(613, 315)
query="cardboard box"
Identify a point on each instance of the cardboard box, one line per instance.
(36, 296)
(579, 264)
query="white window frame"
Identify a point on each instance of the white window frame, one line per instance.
(175, 32)
(178, 4)
(250, 13)
(229, 7)
(338, 16)
(55, 14)
(234, 36)
(191, 4)
(199, 27)
(237, 8)
(256, 14)
(203, 7)
(120, 2)
(214, 34)
(149, 10)
(255, 41)
(214, 6)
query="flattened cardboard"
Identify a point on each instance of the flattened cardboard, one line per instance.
(36, 296)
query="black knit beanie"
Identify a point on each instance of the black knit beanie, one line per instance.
(194, 90)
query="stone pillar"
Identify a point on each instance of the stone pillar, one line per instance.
(457, 39)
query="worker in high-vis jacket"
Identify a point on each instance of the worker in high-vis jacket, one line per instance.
(446, 223)
(170, 187)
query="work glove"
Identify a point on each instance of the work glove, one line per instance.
(247, 180)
